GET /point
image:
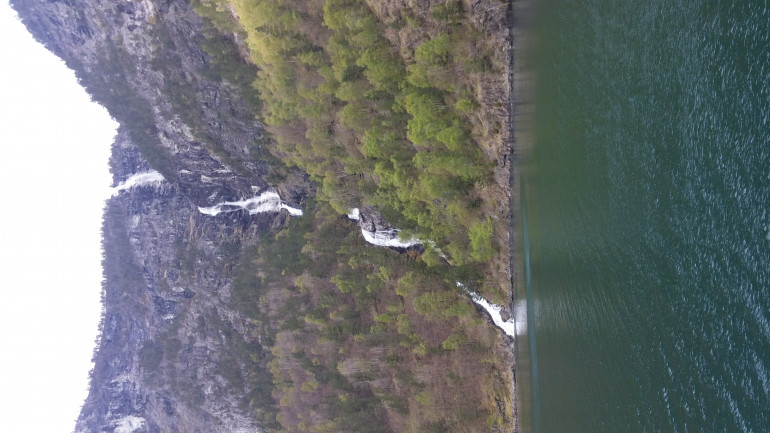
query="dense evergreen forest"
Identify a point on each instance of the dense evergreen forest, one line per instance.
(387, 110)
(402, 110)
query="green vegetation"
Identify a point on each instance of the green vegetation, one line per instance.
(383, 109)
(370, 122)
(365, 338)
(481, 241)
(123, 102)
(116, 85)
(118, 268)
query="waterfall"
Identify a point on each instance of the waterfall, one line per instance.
(355, 215)
(151, 177)
(509, 327)
(268, 201)
(389, 238)
(383, 238)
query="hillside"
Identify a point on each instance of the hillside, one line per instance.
(277, 144)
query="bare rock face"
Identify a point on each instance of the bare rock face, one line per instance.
(174, 354)
(145, 61)
(372, 221)
(165, 359)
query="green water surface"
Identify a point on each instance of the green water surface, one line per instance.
(646, 194)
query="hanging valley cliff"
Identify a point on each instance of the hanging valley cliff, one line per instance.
(224, 314)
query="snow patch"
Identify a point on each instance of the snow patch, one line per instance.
(354, 214)
(129, 424)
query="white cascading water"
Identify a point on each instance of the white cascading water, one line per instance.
(383, 238)
(150, 177)
(129, 424)
(389, 238)
(268, 201)
(512, 327)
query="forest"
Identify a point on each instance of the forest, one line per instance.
(367, 339)
(400, 110)
(388, 111)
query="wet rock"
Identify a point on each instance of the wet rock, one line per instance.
(372, 221)
(505, 314)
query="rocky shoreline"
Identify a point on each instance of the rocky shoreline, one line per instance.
(521, 111)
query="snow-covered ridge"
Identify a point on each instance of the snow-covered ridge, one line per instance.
(150, 177)
(268, 201)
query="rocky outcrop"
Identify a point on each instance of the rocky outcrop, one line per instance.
(145, 61)
(372, 221)
(165, 360)
(174, 354)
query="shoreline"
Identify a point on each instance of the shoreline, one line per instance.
(521, 112)
(510, 353)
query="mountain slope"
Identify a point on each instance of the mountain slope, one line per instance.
(221, 315)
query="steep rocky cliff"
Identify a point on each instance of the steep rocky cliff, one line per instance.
(146, 61)
(165, 359)
(180, 349)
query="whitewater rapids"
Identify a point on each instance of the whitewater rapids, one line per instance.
(383, 238)
(389, 238)
(150, 177)
(268, 201)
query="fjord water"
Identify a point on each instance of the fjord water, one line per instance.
(646, 212)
